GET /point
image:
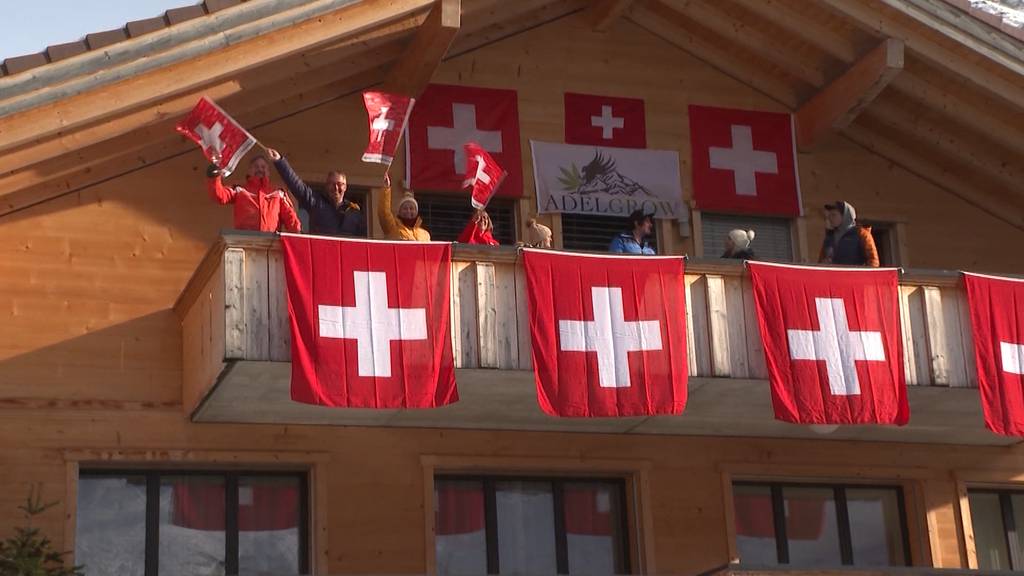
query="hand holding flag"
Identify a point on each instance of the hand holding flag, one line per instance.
(223, 141)
(483, 175)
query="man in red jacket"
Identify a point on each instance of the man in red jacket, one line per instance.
(257, 205)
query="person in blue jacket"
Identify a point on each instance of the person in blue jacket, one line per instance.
(329, 213)
(634, 241)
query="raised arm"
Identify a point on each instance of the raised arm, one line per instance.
(387, 220)
(303, 193)
(220, 193)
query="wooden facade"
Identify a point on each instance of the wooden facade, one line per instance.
(123, 301)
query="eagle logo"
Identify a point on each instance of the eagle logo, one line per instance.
(599, 176)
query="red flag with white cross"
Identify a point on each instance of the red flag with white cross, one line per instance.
(446, 118)
(744, 161)
(387, 115)
(369, 322)
(832, 343)
(997, 320)
(605, 121)
(483, 175)
(609, 333)
(223, 141)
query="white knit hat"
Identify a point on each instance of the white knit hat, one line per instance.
(741, 239)
(408, 197)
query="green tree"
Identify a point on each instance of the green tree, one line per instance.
(29, 552)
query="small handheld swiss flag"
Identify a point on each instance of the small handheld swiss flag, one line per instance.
(605, 121)
(388, 115)
(744, 161)
(832, 343)
(224, 141)
(445, 119)
(483, 175)
(997, 319)
(609, 333)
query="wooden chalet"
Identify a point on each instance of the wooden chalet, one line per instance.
(145, 357)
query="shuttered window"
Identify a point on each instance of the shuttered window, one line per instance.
(444, 216)
(594, 233)
(773, 238)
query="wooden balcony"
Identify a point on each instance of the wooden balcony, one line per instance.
(851, 571)
(237, 352)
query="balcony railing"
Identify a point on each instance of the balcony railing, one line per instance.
(236, 333)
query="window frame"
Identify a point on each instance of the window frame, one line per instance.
(1013, 554)
(231, 533)
(842, 515)
(488, 481)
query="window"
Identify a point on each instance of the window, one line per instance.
(820, 525)
(884, 235)
(506, 525)
(357, 195)
(170, 523)
(995, 515)
(444, 216)
(595, 233)
(773, 239)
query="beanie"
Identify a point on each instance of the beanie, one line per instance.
(741, 239)
(408, 197)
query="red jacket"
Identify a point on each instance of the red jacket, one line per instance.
(257, 206)
(472, 234)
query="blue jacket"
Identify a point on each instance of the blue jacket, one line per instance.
(324, 217)
(625, 243)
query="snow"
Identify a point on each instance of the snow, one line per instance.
(1011, 11)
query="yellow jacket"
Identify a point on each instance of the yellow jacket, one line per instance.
(394, 228)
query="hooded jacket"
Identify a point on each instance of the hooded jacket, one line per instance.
(394, 228)
(324, 217)
(257, 206)
(849, 243)
(625, 243)
(474, 234)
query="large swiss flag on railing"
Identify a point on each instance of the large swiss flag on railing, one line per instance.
(370, 322)
(832, 343)
(997, 320)
(609, 333)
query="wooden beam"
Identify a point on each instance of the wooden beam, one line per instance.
(130, 95)
(413, 71)
(603, 13)
(835, 106)
(759, 44)
(797, 22)
(662, 21)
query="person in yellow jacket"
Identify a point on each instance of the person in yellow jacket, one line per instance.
(406, 223)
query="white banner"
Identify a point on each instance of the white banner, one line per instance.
(609, 181)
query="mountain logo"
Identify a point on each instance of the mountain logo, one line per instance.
(599, 176)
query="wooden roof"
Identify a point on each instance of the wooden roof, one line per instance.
(919, 82)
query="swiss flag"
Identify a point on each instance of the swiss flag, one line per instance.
(369, 322)
(448, 117)
(605, 121)
(805, 515)
(832, 343)
(387, 115)
(223, 141)
(483, 175)
(201, 506)
(997, 319)
(609, 333)
(744, 161)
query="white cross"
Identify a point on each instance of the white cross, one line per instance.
(463, 130)
(837, 346)
(607, 122)
(743, 160)
(610, 336)
(480, 176)
(210, 137)
(1013, 357)
(372, 324)
(382, 123)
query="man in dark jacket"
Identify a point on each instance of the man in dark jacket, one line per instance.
(329, 213)
(845, 241)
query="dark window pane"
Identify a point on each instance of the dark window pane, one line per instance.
(460, 540)
(444, 216)
(989, 534)
(192, 515)
(875, 528)
(811, 526)
(593, 517)
(268, 524)
(526, 528)
(755, 525)
(594, 233)
(111, 525)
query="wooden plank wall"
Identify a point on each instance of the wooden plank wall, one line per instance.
(490, 320)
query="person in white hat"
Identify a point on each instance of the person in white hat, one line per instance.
(737, 244)
(405, 223)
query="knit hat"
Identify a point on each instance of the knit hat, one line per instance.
(408, 197)
(538, 235)
(741, 239)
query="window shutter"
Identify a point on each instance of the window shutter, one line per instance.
(594, 233)
(773, 239)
